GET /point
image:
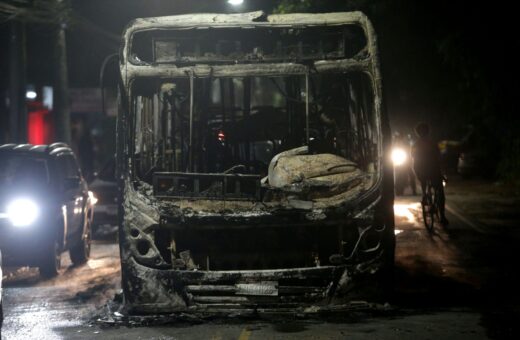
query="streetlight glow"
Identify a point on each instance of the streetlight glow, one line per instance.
(30, 94)
(235, 2)
(398, 156)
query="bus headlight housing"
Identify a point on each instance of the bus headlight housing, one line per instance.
(22, 212)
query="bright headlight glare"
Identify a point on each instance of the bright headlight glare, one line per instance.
(22, 212)
(92, 197)
(398, 156)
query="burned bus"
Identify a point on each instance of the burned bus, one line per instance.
(250, 162)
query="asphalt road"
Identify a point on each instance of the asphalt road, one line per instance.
(35, 308)
(459, 282)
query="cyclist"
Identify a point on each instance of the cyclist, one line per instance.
(427, 166)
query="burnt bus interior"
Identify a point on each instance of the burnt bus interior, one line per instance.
(239, 124)
(213, 139)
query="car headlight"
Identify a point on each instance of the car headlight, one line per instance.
(398, 156)
(22, 212)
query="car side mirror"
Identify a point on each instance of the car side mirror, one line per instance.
(71, 182)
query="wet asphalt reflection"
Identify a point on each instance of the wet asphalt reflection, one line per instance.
(35, 308)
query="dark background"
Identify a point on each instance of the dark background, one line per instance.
(449, 63)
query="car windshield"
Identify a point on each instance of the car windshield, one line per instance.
(23, 169)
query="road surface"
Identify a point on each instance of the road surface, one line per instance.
(459, 282)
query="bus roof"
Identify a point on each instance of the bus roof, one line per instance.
(252, 19)
(205, 21)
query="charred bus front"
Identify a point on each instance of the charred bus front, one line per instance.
(250, 160)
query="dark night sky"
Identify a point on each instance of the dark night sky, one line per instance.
(442, 60)
(94, 33)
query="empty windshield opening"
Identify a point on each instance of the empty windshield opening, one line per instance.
(221, 45)
(237, 125)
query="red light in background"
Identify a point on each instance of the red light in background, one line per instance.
(221, 136)
(35, 124)
(38, 124)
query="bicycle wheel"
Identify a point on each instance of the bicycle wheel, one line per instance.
(428, 210)
(436, 212)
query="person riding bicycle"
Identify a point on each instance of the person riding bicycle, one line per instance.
(427, 166)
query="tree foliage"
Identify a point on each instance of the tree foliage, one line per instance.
(449, 58)
(36, 11)
(294, 6)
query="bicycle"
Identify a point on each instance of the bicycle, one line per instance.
(430, 207)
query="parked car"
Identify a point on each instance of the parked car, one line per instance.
(450, 152)
(45, 207)
(479, 154)
(476, 163)
(104, 188)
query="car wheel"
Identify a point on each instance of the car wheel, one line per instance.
(51, 260)
(80, 252)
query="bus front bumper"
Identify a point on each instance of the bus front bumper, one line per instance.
(154, 291)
